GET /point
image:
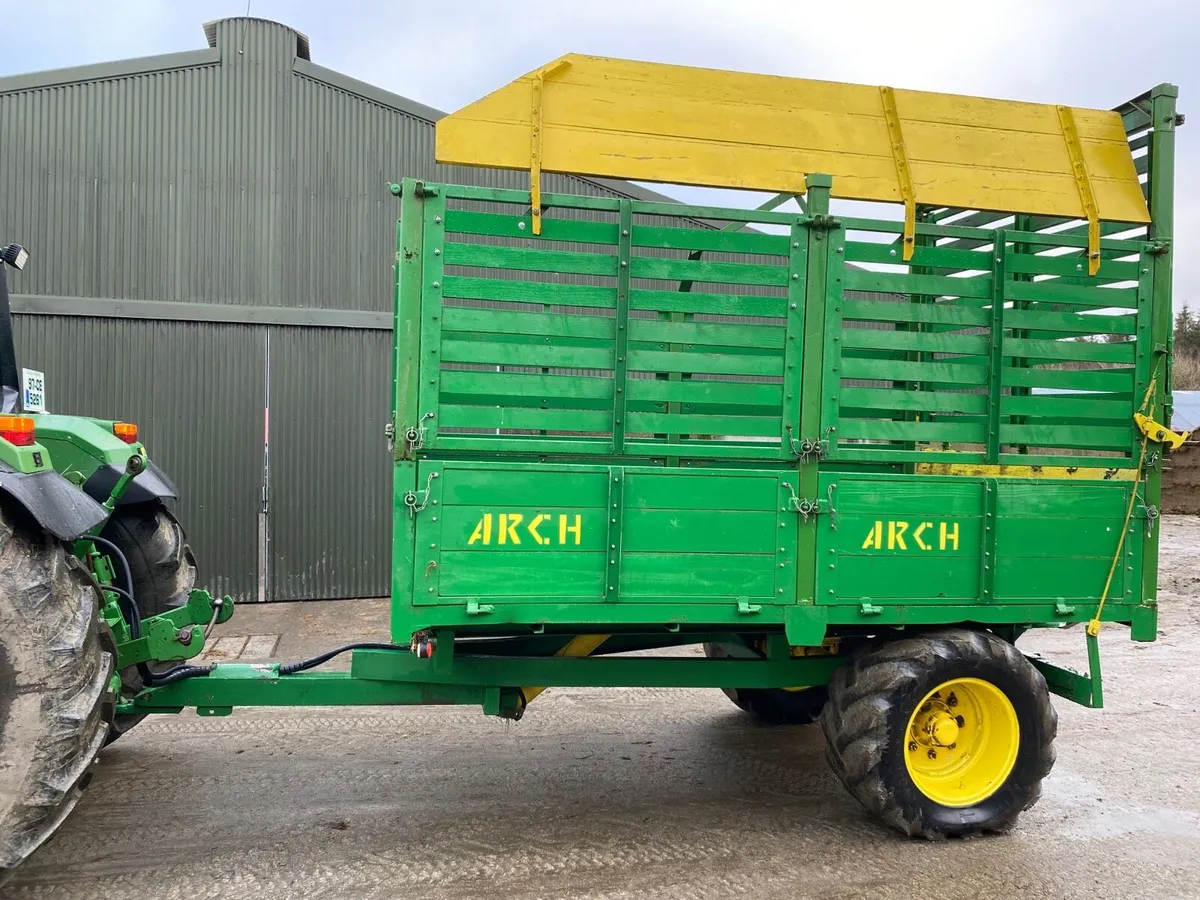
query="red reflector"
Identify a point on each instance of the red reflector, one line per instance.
(17, 430)
(126, 431)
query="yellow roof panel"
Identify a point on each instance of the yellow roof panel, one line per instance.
(682, 125)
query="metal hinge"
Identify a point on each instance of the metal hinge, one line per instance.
(389, 431)
(1159, 246)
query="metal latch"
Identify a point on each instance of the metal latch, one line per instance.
(414, 437)
(814, 507)
(418, 500)
(807, 447)
(1156, 431)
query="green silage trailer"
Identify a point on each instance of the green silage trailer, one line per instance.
(852, 458)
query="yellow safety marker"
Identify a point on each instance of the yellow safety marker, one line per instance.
(987, 470)
(682, 125)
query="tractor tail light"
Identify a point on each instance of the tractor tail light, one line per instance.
(126, 431)
(17, 430)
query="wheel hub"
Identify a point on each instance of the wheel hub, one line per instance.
(963, 739)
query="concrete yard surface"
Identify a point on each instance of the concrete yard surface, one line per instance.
(619, 793)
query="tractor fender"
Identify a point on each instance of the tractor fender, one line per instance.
(58, 506)
(150, 484)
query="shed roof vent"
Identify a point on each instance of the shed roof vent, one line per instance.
(210, 32)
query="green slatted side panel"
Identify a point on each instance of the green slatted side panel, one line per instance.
(707, 337)
(1013, 356)
(616, 331)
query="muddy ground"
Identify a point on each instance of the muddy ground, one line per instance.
(620, 793)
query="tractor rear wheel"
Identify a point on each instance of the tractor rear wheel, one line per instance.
(774, 706)
(56, 701)
(163, 569)
(160, 561)
(946, 734)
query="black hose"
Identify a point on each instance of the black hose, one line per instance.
(135, 629)
(293, 668)
(181, 672)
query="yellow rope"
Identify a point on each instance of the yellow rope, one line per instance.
(1093, 627)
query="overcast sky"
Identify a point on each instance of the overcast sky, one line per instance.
(445, 53)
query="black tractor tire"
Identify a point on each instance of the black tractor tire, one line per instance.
(163, 569)
(56, 700)
(161, 563)
(873, 698)
(774, 706)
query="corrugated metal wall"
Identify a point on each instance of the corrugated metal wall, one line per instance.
(197, 392)
(331, 474)
(249, 181)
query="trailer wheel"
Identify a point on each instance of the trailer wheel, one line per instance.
(774, 706)
(163, 569)
(947, 734)
(55, 693)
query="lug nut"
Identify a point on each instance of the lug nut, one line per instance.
(933, 754)
(952, 700)
(960, 721)
(912, 746)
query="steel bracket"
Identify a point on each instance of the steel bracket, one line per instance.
(1083, 184)
(1158, 432)
(822, 222)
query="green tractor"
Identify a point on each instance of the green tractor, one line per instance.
(89, 556)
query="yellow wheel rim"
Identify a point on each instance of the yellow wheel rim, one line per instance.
(962, 742)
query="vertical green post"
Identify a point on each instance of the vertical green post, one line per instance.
(406, 366)
(996, 366)
(1160, 182)
(793, 349)
(431, 278)
(621, 337)
(812, 373)
(406, 339)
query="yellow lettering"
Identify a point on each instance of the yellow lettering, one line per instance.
(896, 535)
(874, 537)
(508, 528)
(533, 528)
(483, 530)
(917, 535)
(945, 535)
(564, 529)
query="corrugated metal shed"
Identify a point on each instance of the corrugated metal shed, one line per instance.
(212, 235)
(185, 213)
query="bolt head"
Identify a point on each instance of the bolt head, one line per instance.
(933, 754)
(912, 745)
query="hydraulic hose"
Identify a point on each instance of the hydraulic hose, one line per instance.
(181, 672)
